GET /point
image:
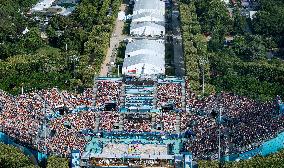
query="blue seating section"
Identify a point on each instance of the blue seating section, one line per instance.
(268, 147)
(139, 97)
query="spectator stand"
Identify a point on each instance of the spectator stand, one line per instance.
(245, 130)
(171, 90)
(264, 149)
(139, 98)
(108, 90)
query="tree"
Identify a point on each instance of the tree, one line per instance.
(249, 47)
(214, 16)
(32, 41)
(216, 43)
(239, 23)
(256, 48)
(54, 161)
(12, 157)
(269, 22)
(273, 160)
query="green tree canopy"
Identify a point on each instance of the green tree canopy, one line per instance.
(54, 161)
(274, 160)
(12, 157)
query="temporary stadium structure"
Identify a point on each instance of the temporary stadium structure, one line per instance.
(147, 29)
(152, 6)
(144, 57)
(148, 17)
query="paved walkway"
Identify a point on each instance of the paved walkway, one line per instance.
(116, 38)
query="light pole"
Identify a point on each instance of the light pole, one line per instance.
(45, 143)
(74, 59)
(22, 88)
(202, 62)
(117, 70)
(191, 158)
(219, 136)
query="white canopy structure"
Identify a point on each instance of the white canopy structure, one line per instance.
(147, 29)
(144, 46)
(152, 6)
(149, 11)
(148, 17)
(144, 57)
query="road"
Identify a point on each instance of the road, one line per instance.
(116, 38)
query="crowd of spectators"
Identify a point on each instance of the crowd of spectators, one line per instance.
(64, 133)
(107, 120)
(53, 98)
(169, 93)
(168, 121)
(87, 98)
(108, 91)
(137, 122)
(23, 119)
(244, 122)
(137, 126)
(20, 117)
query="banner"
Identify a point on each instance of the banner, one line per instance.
(132, 71)
(281, 108)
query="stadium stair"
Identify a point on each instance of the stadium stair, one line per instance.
(97, 121)
(153, 123)
(120, 124)
(95, 89)
(122, 95)
(177, 125)
(183, 96)
(155, 95)
(46, 104)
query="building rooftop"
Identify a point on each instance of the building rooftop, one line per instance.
(157, 46)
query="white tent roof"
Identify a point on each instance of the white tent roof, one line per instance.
(144, 59)
(157, 46)
(156, 5)
(154, 17)
(147, 25)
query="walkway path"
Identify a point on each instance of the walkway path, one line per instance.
(115, 39)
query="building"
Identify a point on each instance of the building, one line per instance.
(148, 17)
(152, 6)
(62, 2)
(42, 5)
(149, 11)
(144, 57)
(52, 7)
(147, 29)
(145, 46)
